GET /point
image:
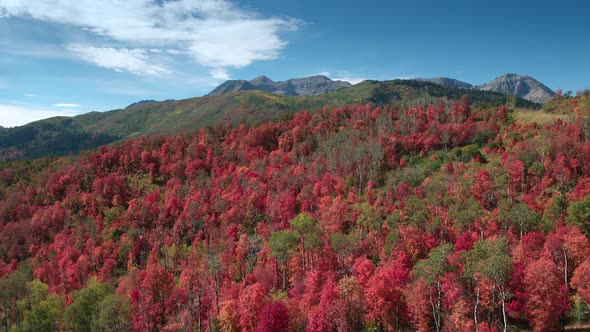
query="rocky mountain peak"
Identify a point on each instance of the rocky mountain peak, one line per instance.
(522, 86)
(261, 80)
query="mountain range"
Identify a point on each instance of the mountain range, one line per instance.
(522, 86)
(307, 86)
(69, 135)
(446, 81)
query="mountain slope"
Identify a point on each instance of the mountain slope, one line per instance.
(522, 86)
(353, 209)
(141, 102)
(446, 81)
(307, 86)
(63, 135)
(55, 136)
(233, 85)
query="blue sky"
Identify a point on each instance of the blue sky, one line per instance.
(66, 57)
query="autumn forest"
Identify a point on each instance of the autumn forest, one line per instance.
(448, 216)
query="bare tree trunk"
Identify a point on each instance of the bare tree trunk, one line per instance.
(475, 308)
(503, 297)
(438, 305)
(432, 305)
(565, 267)
(435, 307)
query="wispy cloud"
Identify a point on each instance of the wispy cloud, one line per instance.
(215, 33)
(135, 61)
(11, 115)
(66, 105)
(348, 77)
(18, 102)
(31, 95)
(355, 78)
(219, 74)
(342, 75)
(351, 80)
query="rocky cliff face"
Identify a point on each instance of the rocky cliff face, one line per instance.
(522, 86)
(307, 86)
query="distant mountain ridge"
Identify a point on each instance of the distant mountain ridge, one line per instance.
(521, 86)
(61, 136)
(446, 81)
(142, 102)
(307, 86)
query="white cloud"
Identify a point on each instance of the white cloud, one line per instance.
(11, 116)
(219, 74)
(215, 33)
(351, 80)
(355, 78)
(66, 105)
(342, 75)
(32, 95)
(18, 102)
(134, 61)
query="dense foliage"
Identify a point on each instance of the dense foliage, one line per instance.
(566, 102)
(58, 136)
(442, 217)
(61, 136)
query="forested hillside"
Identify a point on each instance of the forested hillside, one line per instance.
(63, 136)
(442, 217)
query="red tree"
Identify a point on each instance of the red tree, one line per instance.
(274, 316)
(581, 280)
(384, 295)
(547, 298)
